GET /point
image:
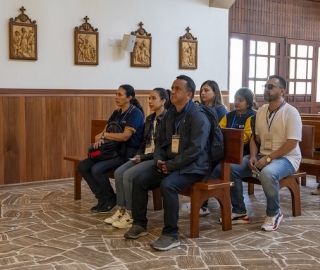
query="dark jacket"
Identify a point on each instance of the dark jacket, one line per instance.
(147, 134)
(194, 132)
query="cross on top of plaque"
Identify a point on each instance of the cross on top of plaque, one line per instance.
(22, 9)
(86, 19)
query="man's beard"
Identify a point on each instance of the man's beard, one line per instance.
(267, 97)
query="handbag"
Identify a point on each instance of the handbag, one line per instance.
(109, 148)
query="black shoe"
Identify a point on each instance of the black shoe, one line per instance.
(107, 207)
(135, 232)
(94, 209)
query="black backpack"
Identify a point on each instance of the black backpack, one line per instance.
(216, 149)
(109, 149)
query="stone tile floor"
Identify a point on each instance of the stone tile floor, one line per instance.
(42, 228)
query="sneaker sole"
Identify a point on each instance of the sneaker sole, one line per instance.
(136, 236)
(109, 223)
(122, 227)
(173, 245)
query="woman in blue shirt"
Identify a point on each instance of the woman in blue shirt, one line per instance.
(130, 116)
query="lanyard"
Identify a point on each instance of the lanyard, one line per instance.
(234, 119)
(126, 113)
(269, 125)
(177, 123)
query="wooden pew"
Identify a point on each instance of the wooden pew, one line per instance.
(309, 163)
(217, 188)
(96, 127)
(316, 124)
(307, 116)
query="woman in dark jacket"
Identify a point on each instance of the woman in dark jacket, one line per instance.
(141, 161)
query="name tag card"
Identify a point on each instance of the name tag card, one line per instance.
(268, 141)
(175, 144)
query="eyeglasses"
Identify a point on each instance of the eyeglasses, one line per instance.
(269, 86)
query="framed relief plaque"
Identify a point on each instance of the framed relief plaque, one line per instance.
(23, 37)
(86, 44)
(188, 51)
(141, 55)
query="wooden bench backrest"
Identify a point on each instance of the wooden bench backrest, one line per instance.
(233, 145)
(316, 124)
(97, 125)
(307, 141)
(310, 116)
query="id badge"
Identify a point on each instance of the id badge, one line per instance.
(268, 140)
(149, 148)
(175, 143)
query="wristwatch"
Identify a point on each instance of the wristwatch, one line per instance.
(269, 159)
(102, 136)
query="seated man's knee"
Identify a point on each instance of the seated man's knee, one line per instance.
(168, 185)
(142, 180)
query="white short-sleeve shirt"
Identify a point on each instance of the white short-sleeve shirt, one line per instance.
(285, 124)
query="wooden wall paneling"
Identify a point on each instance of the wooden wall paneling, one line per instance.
(54, 134)
(11, 158)
(22, 139)
(34, 134)
(291, 18)
(1, 141)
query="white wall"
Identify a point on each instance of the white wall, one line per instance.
(166, 20)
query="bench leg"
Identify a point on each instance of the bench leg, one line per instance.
(250, 188)
(77, 182)
(157, 199)
(296, 200)
(194, 213)
(293, 185)
(304, 181)
(226, 211)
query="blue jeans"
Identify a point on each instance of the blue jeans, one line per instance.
(123, 180)
(170, 186)
(269, 178)
(95, 174)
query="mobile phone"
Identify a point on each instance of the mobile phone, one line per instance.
(256, 173)
(257, 169)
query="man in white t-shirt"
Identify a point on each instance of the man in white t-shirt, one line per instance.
(278, 129)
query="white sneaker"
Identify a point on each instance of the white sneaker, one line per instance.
(315, 191)
(124, 222)
(204, 211)
(272, 223)
(116, 217)
(238, 218)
